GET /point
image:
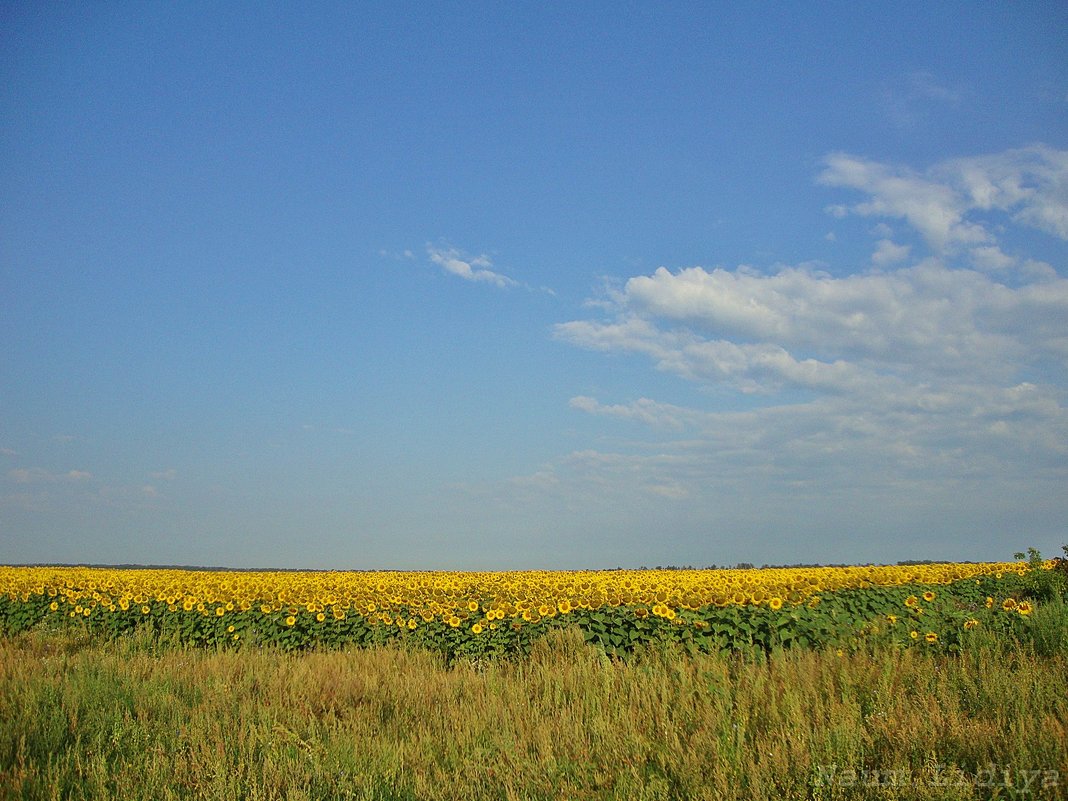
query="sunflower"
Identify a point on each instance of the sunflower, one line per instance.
(1024, 608)
(290, 620)
(930, 637)
(912, 602)
(775, 603)
(914, 634)
(928, 596)
(476, 629)
(1008, 604)
(320, 617)
(971, 624)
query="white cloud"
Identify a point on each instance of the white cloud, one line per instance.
(929, 381)
(643, 410)
(933, 208)
(470, 269)
(886, 252)
(798, 326)
(32, 475)
(1029, 184)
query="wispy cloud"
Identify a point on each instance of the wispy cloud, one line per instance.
(469, 268)
(914, 97)
(32, 475)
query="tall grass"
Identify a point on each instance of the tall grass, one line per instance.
(136, 720)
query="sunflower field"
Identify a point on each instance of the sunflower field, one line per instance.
(482, 614)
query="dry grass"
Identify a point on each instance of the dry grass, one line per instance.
(135, 720)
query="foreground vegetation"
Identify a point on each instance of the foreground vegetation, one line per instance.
(134, 719)
(931, 682)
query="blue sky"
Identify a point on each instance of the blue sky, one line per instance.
(561, 285)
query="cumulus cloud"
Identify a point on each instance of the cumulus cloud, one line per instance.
(469, 268)
(805, 328)
(887, 252)
(948, 365)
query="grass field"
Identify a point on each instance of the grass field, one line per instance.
(138, 716)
